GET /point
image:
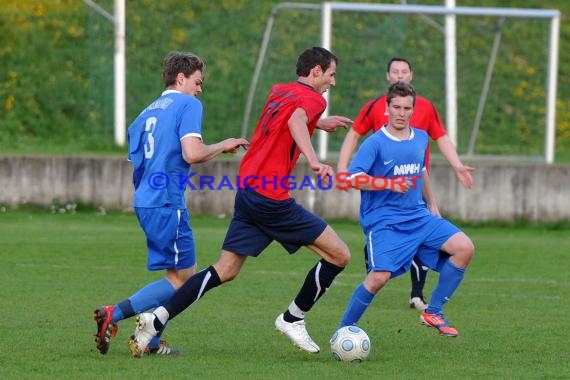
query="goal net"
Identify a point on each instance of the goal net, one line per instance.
(503, 67)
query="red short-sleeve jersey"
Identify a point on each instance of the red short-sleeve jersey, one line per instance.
(425, 117)
(272, 154)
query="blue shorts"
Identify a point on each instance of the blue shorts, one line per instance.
(392, 248)
(169, 238)
(258, 220)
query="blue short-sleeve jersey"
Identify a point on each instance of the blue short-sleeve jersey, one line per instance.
(155, 149)
(385, 156)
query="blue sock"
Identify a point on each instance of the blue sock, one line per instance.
(118, 312)
(450, 277)
(155, 342)
(151, 296)
(357, 305)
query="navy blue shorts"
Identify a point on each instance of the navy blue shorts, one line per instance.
(258, 220)
(169, 238)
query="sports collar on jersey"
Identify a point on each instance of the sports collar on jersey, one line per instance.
(166, 92)
(306, 85)
(392, 137)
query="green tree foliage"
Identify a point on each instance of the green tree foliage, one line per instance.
(43, 76)
(56, 66)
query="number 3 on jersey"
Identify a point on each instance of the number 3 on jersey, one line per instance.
(149, 145)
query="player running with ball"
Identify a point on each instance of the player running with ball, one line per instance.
(395, 219)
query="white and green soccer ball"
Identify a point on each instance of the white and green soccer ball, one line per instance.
(350, 344)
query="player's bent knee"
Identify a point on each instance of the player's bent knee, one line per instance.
(465, 253)
(375, 281)
(336, 252)
(469, 248)
(177, 278)
(342, 258)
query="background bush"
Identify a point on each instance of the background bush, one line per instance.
(56, 68)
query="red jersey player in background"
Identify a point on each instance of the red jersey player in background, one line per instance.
(373, 116)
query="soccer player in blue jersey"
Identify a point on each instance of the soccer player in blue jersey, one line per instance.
(373, 116)
(389, 170)
(164, 140)
(264, 210)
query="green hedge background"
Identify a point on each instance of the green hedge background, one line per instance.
(56, 68)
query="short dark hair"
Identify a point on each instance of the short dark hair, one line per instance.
(315, 56)
(178, 62)
(401, 89)
(398, 59)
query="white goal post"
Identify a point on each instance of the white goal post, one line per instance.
(118, 18)
(327, 8)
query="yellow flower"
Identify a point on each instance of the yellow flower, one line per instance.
(9, 104)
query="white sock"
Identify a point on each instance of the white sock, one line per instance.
(162, 314)
(295, 311)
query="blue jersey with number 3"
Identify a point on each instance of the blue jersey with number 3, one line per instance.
(155, 149)
(385, 156)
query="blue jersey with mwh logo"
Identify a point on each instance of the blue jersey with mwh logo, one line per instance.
(383, 155)
(155, 149)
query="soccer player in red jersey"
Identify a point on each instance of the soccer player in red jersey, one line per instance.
(264, 210)
(425, 117)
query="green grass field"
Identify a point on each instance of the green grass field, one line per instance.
(512, 309)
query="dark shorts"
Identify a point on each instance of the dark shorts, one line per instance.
(169, 238)
(258, 220)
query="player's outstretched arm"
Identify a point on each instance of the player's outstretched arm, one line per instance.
(463, 173)
(348, 147)
(195, 151)
(298, 127)
(300, 133)
(332, 123)
(448, 151)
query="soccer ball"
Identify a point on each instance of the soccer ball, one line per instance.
(350, 344)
